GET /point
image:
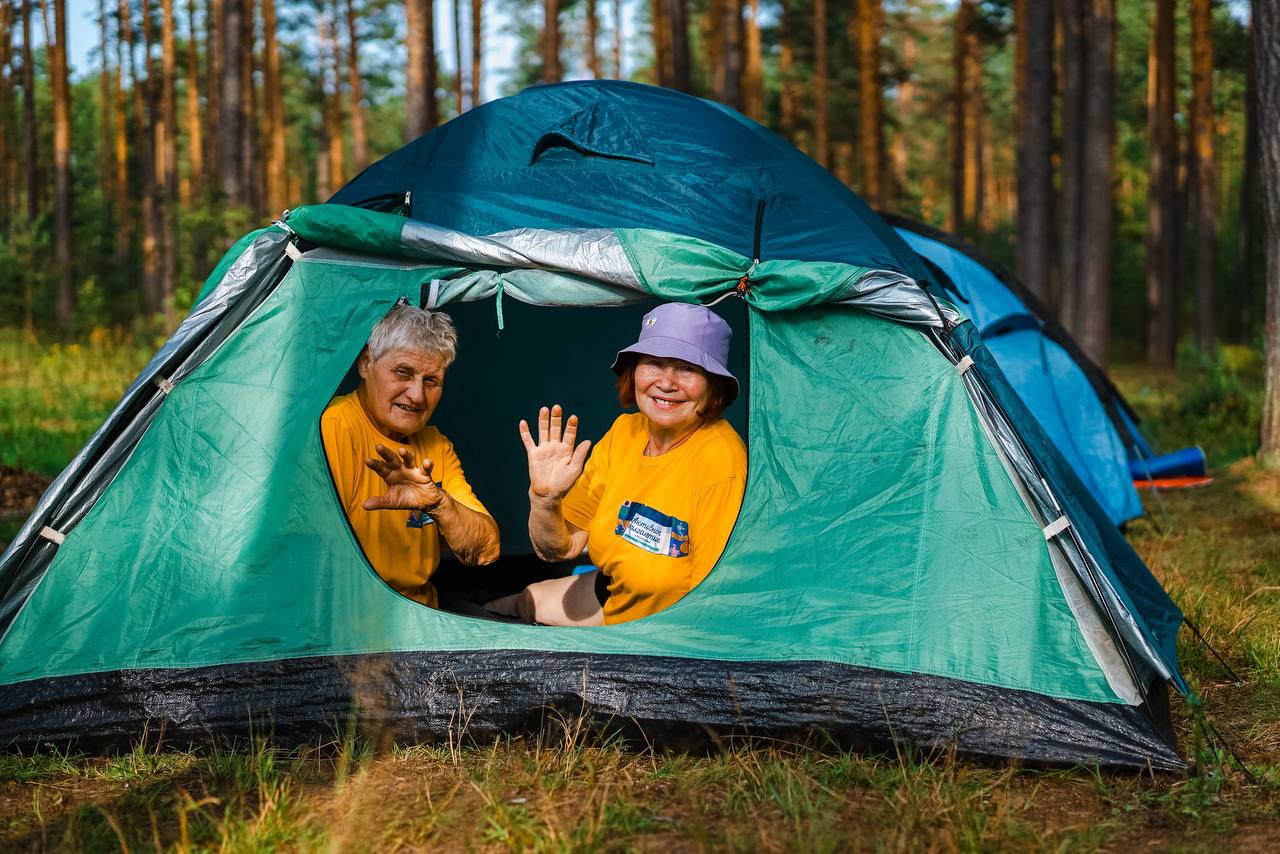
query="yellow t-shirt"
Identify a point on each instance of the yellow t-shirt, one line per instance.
(656, 525)
(402, 545)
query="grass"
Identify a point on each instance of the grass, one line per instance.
(1216, 549)
(52, 397)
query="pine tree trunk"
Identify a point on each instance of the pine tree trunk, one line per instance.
(124, 222)
(151, 169)
(1035, 148)
(106, 167)
(215, 25)
(731, 54)
(56, 39)
(821, 139)
(360, 136)
(195, 134)
(421, 108)
(677, 20)
(906, 109)
(8, 167)
(1162, 145)
(1202, 132)
(273, 114)
(1266, 51)
(231, 106)
(552, 70)
(593, 35)
(960, 119)
(617, 39)
(31, 153)
(753, 69)
(870, 109)
(477, 51)
(1097, 206)
(1072, 120)
(250, 174)
(168, 162)
(974, 115)
(337, 122)
(661, 43)
(457, 55)
(1242, 293)
(788, 96)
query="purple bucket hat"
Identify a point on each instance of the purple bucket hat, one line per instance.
(677, 330)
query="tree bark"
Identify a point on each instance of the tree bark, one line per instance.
(250, 175)
(457, 55)
(123, 223)
(617, 39)
(661, 43)
(1098, 171)
(1202, 133)
(593, 35)
(167, 165)
(8, 165)
(788, 100)
(337, 122)
(1072, 120)
(753, 69)
(477, 51)
(677, 21)
(1035, 148)
(231, 107)
(152, 169)
(273, 114)
(359, 135)
(552, 70)
(870, 105)
(215, 25)
(960, 118)
(31, 153)
(106, 166)
(56, 40)
(906, 109)
(195, 133)
(1160, 266)
(1242, 294)
(421, 108)
(821, 138)
(1266, 51)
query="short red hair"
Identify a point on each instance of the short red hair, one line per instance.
(719, 390)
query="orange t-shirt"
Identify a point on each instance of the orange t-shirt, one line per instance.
(402, 545)
(656, 525)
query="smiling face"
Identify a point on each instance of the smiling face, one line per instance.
(671, 393)
(400, 390)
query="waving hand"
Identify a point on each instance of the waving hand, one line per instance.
(554, 463)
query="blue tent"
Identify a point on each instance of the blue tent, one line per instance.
(1052, 379)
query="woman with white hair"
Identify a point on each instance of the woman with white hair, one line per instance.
(399, 479)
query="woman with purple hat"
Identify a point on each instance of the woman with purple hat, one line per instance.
(657, 498)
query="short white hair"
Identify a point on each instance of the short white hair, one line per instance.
(408, 327)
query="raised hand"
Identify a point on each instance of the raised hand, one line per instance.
(409, 487)
(554, 463)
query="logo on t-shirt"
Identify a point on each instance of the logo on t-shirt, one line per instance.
(652, 530)
(421, 518)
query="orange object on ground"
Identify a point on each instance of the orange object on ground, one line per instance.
(1173, 482)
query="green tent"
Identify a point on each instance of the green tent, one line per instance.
(913, 561)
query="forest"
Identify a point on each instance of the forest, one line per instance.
(1114, 144)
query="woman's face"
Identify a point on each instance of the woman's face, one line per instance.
(671, 392)
(400, 390)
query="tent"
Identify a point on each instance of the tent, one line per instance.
(914, 562)
(1072, 399)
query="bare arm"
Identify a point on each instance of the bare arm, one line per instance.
(555, 465)
(472, 535)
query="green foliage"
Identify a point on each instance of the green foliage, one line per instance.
(1213, 400)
